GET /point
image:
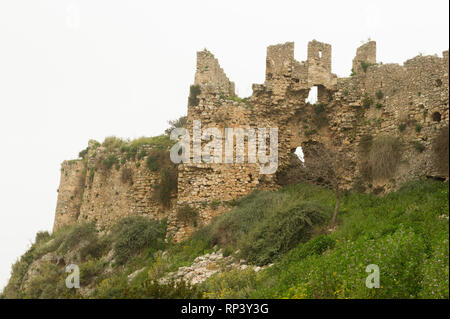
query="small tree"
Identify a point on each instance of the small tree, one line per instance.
(326, 167)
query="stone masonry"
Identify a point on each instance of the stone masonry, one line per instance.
(413, 106)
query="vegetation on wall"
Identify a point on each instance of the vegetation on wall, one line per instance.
(194, 92)
(187, 214)
(440, 150)
(380, 156)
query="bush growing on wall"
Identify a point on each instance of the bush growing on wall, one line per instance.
(133, 234)
(440, 150)
(384, 156)
(187, 214)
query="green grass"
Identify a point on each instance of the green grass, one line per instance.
(402, 232)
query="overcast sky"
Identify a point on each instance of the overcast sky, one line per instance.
(73, 70)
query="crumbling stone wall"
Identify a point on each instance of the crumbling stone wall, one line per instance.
(90, 193)
(408, 102)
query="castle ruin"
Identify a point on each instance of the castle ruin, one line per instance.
(408, 103)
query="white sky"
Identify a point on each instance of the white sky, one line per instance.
(75, 70)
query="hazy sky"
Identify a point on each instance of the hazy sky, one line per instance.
(73, 70)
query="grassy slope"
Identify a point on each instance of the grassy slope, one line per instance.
(400, 232)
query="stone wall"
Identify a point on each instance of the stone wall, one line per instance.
(408, 102)
(89, 192)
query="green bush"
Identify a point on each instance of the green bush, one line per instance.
(42, 236)
(110, 161)
(187, 214)
(402, 127)
(265, 225)
(142, 154)
(167, 186)
(112, 143)
(320, 118)
(76, 235)
(194, 92)
(367, 101)
(418, 146)
(134, 234)
(365, 65)
(89, 270)
(379, 94)
(232, 284)
(274, 237)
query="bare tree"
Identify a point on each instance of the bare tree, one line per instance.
(322, 166)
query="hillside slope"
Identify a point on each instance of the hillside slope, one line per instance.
(268, 245)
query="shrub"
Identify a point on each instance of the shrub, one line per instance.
(194, 92)
(47, 284)
(367, 101)
(142, 154)
(384, 156)
(94, 248)
(402, 127)
(230, 284)
(112, 143)
(440, 151)
(77, 234)
(178, 123)
(90, 269)
(379, 94)
(42, 236)
(418, 128)
(157, 159)
(228, 251)
(167, 186)
(83, 153)
(320, 118)
(110, 161)
(135, 233)
(418, 146)
(215, 203)
(379, 105)
(187, 214)
(365, 65)
(273, 237)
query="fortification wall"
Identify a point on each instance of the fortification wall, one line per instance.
(408, 103)
(89, 192)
